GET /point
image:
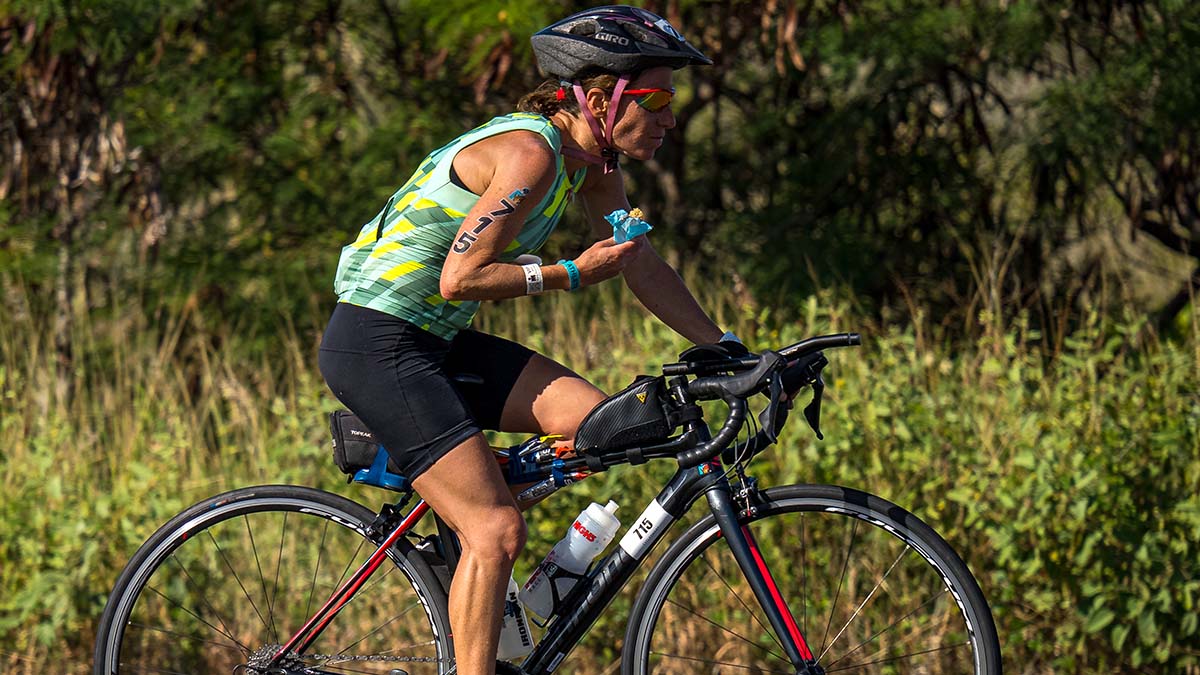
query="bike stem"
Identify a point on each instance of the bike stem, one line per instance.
(311, 630)
(745, 551)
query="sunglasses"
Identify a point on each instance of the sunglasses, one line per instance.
(653, 100)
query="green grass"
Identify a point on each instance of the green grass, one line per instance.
(1069, 482)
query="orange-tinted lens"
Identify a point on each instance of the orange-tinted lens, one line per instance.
(655, 100)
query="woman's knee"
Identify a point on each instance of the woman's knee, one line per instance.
(499, 533)
(565, 419)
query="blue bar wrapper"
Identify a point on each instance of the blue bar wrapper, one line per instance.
(625, 226)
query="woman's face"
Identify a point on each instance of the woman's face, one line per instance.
(638, 133)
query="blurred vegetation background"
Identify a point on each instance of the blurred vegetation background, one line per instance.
(1004, 196)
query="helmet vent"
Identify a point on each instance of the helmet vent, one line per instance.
(642, 35)
(585, 27)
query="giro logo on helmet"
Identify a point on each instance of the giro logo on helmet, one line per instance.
(609, 37)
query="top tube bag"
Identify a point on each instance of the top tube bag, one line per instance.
(636, 415)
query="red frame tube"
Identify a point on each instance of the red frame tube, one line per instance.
(314, 626)
(780, 603)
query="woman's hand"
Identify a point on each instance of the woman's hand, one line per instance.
(606, 258)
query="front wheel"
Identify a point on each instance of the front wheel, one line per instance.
(870, 587)
(223, 584)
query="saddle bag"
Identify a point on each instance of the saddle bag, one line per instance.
(354, 446)
(636, 415)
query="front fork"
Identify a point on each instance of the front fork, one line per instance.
(745, 551)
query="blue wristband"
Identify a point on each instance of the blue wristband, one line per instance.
(572, 272)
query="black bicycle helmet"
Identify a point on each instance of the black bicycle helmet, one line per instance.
(616, 39)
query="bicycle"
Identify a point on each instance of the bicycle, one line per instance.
(231, 584)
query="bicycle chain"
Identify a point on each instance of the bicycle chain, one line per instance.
(502, 667)
(331, 659)
(260, 660)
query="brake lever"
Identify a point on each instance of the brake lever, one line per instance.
(812, 412)
(769, 418)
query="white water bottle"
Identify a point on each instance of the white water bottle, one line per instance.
(515, 639)
(569, 559)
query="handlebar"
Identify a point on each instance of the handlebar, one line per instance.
(791, 353)
(816, 344)
(797, 364)
(739, 386)
(729, 431)
(731, 380)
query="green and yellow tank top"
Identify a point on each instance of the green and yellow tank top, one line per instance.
(395, 263)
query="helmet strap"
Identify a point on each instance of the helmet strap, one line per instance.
(608, 156)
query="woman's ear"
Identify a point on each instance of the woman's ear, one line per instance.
(597, 100)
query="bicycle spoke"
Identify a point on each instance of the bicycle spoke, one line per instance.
(237, 578)
(278, 564)
(897, 658)
(721, 663)
(870, 595)
(375, 582)
(728, 630)
(261, 579)
(313, 587)
(364, 592)
(197, 608)
(873, 574)
(185, 636)
(804, 570)
(193, 585)
(385, 624)
(738, 597)
(147, 669)
(349, 564)
(932, 628)
(160, 594)
(837, 596)
(886, 628)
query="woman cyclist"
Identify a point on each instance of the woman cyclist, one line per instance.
(451, 237)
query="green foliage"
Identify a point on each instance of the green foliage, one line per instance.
(955, 159)
(1068, 484)
(879, 144)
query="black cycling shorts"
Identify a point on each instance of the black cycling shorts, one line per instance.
(396, 378)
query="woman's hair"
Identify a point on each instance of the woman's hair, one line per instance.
(544, 100)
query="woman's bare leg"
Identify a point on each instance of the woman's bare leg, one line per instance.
(548, 398)
(466, 488)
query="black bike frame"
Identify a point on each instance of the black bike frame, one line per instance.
(591, 596)
(588, 600)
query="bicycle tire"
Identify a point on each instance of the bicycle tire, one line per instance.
(213, 587)
(704, 593)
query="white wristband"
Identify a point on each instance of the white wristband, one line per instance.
(729, 337)
(533, 278)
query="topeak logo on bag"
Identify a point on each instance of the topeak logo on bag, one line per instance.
(359, 432)
(641, 397)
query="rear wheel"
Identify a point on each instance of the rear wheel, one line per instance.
(223, 584)
(871, 588)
